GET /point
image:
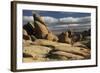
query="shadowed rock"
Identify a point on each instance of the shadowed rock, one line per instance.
(76, 38)
(29, 27)
(64, 37)
(25, 35)
(38, 18)
(41, 30)
(86, 33)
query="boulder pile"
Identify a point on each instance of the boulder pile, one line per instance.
(40, 44)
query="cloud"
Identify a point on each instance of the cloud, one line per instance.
(58, 25)
(85, 19)
(64, 27)
(69, 26)
(50, 20)
(27, 19)
(67, 20)
(61, 22)
(47, 19)
(35, 12)
(72, 20)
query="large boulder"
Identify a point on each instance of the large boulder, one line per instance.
(64, 37)
(64, 47)
(41, 30)
(25, 35)
(39, 18)
(35, 51)
(70, 56)
(27, 42)
(29, 27)
(50, 36)
(48, 43)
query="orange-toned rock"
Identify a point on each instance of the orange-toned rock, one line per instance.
(50, 36)
(41, 29)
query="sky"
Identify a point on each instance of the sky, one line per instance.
(61, 21)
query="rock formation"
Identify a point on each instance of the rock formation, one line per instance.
(50, 36)
(65, 37)
(29, 27)
(25, 35)
(41, 30)
(38, 18)
(40, 44)
(36, 52)
(49, 50)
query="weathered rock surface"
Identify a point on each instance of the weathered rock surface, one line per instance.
(75, 50)
(36, 52)
(37, 17)
(63, 47)
(48, 43)
(29, 28)
(40, 44)
(48, 50)
(64, 37)
(41, 30)
(25, 35)
(27, 43)
(50, 36)
(36, 49)
(38, 30)
(70, 56)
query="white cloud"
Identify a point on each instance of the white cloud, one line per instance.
(27, 19)
(50, 20)
(67, 20)
(61, 21)
(62, 24)
(47, 19)
(84, 19)
(75, 20)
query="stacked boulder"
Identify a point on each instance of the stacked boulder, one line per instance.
(38, 29)
(33, 31)
(41, 29)
(65, 37)
(40, 44)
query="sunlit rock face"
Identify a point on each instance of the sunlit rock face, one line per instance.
(42, 44)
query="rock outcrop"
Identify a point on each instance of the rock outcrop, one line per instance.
(50, 36)
(36, 52)
(70, 56)
(38, 29)
(40, 44)
(49, 50)
(38, 18)
(65, 37)
(29, 28)
(41, 30)
(25, 35)
(63, 47)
